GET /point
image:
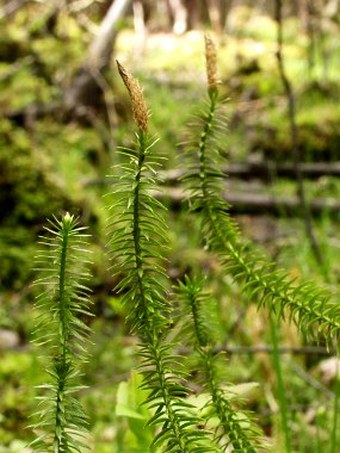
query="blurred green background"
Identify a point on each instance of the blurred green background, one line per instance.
(63, 113)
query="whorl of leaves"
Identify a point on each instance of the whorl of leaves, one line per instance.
(62, 336)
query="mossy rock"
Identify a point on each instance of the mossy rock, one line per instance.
(12, 47)
(320, 142)
(28, 195)
(17, 250)
(317, 141)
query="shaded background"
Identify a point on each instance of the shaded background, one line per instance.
(64, 111)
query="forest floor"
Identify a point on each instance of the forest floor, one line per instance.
(53, 166)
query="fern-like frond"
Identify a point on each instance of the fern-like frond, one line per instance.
(138, 236)
(310, 308)
(62, 333)
(235, 427)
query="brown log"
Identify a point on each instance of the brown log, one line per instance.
(252, 203)
(267, 171)
(84, 89)
(252, 170)
(9, 8)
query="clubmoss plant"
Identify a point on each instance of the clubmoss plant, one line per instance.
(312, 309)
(138, 240)
(60, 422)
(138, 243)
(235, 429)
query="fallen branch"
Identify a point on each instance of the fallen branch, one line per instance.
(252, 203)
(264, 171)
(267, 171)
(269, 349)
(84, 89)
(9, 8)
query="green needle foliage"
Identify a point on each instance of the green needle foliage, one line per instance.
(138, 243)
(310, 308)
(235, 429)
(138, 240)
(60, 422)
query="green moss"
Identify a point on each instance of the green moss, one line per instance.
(32, 191)
(28, 193)
(17, 249)
(18, 375)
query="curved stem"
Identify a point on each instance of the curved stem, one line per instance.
(305, 211)
(280, 384)
(246, 267)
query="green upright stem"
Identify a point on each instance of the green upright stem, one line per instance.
(183, 447)
(208, 124)
(151, 335)
(336, 410)
(226, 414)
(61, 360)
(280, 384)
(136, 224)
(230, 428)
(60, 418)
(61, 296)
